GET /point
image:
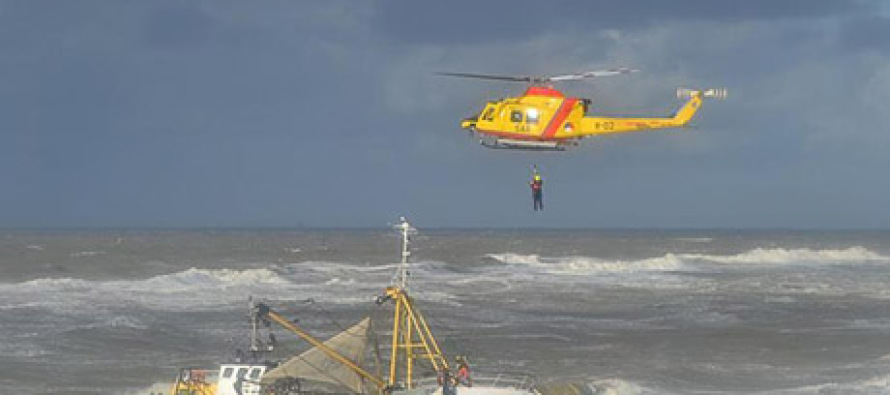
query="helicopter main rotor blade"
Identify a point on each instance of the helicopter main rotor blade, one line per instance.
(489, 77)
(592, 74)
(541, 80)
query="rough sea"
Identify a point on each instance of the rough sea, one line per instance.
(627, 312)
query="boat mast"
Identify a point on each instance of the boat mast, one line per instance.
(411, 336)
(406, 230)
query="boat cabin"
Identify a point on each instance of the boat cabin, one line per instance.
(240, 379)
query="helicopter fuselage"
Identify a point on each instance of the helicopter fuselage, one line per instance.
(544, 118)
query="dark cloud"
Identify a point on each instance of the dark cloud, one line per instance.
(468, 21)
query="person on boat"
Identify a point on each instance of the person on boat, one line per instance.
(463, 372)
(239, 381)
(446, 380)
(537, 185)
(239, 355)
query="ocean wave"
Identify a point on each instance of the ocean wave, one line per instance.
(189, 279)
(681, 261)
(695, 239)
(213, 289)
(794, 256)
(81, 254)
(873, 385)
(159, 388)
(190, 288)
(209, 278)
(617, 387)
(588, 265)
(112, 322)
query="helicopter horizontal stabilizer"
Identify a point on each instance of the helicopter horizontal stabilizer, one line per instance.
(714, 93)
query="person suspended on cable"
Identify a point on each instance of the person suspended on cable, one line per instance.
(537, 185)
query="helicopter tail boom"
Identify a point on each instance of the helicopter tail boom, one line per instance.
(612, 125)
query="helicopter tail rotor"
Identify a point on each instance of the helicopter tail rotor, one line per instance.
(714, 93)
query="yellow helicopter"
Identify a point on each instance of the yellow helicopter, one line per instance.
(543, 118)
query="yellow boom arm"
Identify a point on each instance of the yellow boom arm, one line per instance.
(266, 312)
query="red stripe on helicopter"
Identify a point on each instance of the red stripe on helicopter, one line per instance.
(561, 114)
(542, 91)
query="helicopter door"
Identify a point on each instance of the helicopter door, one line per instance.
(532, 117)
(524, 120)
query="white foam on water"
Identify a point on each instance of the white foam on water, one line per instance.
(686, 261)
(616, 386)
(22, 349)
(878, 385)
(696, 239)
(871, 324)
(114, 321)
(590, 265)
(183, 290)
(156, 388)
(338, 281)
(212, 289)
(195, 278)
(781, 256)
(80, 254)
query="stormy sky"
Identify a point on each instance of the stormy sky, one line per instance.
(328, 113)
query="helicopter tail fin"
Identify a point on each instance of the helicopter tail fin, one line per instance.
(694, 99)
(716, 93)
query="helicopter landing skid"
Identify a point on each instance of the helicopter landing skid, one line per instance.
(522, 145)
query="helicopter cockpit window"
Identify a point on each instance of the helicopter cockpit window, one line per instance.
(516, 116)
(532, 115)
(488, 115)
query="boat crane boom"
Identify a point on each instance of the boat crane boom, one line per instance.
(263, 311)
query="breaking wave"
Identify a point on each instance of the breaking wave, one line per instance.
(681, 261)
(617, 387)
(210, 289)
(187, 289)
(582, 264)
(794, 256)
(874, 385)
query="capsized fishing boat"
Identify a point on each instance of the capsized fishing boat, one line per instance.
(340, 365)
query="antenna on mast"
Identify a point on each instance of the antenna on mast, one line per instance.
(406, 230)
